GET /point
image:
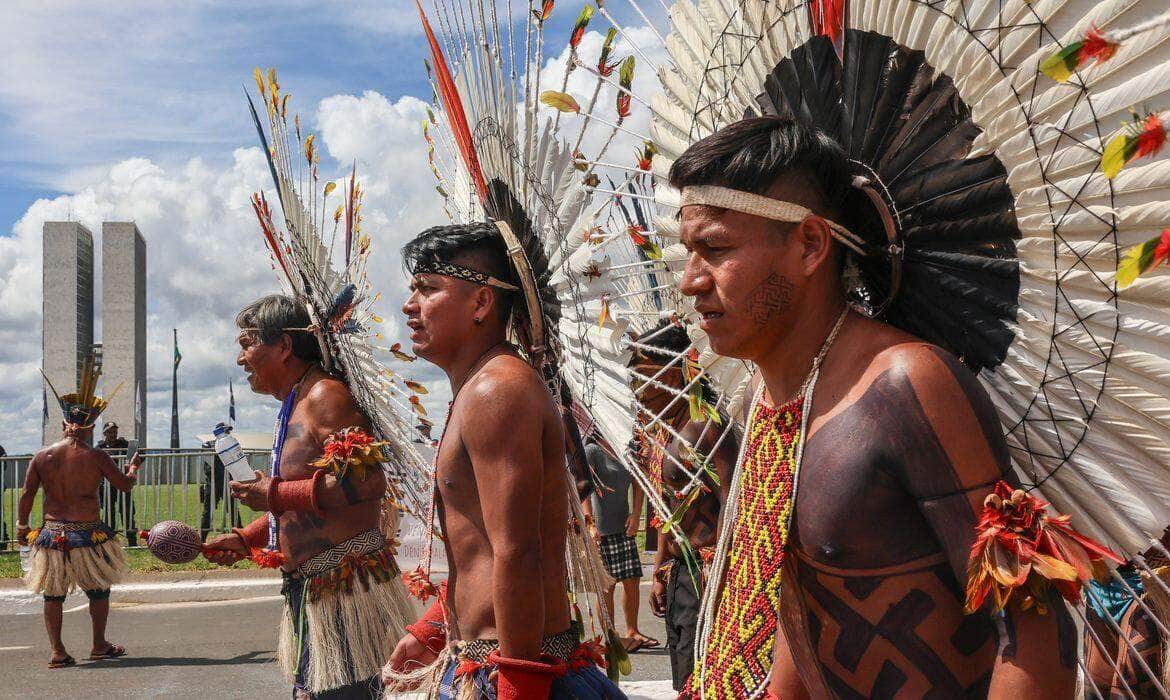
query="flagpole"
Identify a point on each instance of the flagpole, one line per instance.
(175, 395)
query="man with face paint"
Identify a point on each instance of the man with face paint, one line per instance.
(345, 600)
(672, 445)
(502, 621)
(892, 461)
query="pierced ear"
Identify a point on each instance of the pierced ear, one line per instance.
(484, 302)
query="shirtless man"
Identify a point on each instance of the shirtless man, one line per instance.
(502, 487)
(73, 549)
(676, 592)
(902, 446)
(345, 600)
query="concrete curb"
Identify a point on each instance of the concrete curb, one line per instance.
(180, 587)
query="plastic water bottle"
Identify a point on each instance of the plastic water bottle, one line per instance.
(25, 553)
(234, 461)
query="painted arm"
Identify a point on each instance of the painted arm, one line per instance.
(333, 411)
(1037, 653)
(509, 475)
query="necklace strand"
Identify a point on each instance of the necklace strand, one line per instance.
(707, 606)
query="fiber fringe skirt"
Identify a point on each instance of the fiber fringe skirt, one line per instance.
(67, 556)
(345, 609)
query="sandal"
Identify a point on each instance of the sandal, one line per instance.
(113, 652)
(64, 662)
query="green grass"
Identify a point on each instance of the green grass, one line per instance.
(139, 559)
(152, 504)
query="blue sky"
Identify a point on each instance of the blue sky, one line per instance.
(85, 85)
(135, 111)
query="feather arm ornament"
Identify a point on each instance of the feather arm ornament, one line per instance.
(350, 451)
(1021, 551)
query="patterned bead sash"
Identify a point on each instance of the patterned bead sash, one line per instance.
(738, 657)
(559, 646)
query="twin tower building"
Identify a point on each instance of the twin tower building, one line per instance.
(68, 332)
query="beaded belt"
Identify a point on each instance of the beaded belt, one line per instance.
(559, 646)
(70, 526)
(361, 543)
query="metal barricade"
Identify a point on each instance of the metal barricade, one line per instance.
(184, 485)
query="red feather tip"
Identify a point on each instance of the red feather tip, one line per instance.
(1152, 137)
(1096, 46)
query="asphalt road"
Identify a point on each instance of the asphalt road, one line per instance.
(221, 649)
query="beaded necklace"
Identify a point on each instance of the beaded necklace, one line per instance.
(736, 636)
(278, 434)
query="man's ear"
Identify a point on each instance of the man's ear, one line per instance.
(485, 303)
(284, 346)
(815, 241)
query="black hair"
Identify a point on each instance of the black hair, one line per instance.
(669, 336)
(479, 244)
(672, 340)
(273, 316)
(753, 154)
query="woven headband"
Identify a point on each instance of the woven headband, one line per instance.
(449, 269)
(766, 208)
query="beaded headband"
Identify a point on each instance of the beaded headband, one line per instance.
(449, 269)
(767, 208)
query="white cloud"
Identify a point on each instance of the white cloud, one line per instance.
(205, 260)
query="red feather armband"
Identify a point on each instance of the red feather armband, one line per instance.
(254, 534)
(521, 679)
(350, 451)
(298, 495)
(1020, 547)
(431, 629)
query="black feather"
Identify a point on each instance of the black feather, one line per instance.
(893, 112)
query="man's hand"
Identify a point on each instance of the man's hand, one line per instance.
(133, 466)
(593, 532)
(409, 655)
(22, 534)
(631, 525)
(225, 550)
(658, 597)
(253, 494)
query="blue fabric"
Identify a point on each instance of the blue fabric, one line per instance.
(73, 540)
(282, 419)
(589, 683)
(1111, 599)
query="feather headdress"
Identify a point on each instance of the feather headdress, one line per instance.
(81, 408)
(338, 296)
(988, 134)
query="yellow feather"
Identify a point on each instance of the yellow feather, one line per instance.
(560, 101)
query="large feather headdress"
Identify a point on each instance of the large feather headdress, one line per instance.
(1016, 151)
(337, 296)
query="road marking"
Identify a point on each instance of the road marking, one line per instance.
(14, 648)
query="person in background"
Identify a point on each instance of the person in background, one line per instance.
(73, 549)
(115, 503)
(213, 489)
(612, 523)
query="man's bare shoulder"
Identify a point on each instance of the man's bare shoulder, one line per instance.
(506, 385)
(330, 391)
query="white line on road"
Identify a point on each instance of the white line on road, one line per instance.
(14, 648)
